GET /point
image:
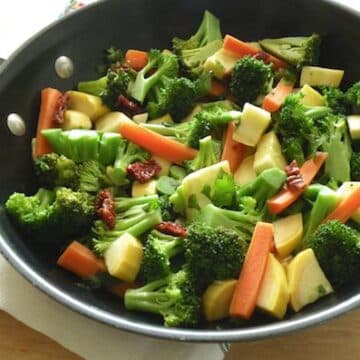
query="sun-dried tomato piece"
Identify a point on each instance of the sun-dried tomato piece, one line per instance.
(61, 107)
(294, 178)
(171, 228)
(262, 55)
(143, 171)
(105, 207)
(129, 107)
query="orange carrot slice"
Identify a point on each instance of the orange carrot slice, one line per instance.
(137, 59)
(273, 101)
(248, 286)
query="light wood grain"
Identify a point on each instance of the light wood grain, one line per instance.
(337, 340)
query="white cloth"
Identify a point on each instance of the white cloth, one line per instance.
(29, 305)
(83, 336)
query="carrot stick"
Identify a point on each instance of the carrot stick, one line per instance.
(276, 97)
(157, 144)
(80, 260)
(120, 288)
(136, 59)
(241, 49)
(346, 207)
(248, 286)
(286, 197)
(217, 88)
(233, 151)
(48, 107)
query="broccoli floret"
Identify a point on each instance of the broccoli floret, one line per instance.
(127, 154)
(242, 222)
(352, 96)
(223, 191)
(133, 215)
(355, 166)
(335, 99)
(54, 170)
(158, 251)
(92, 177)
(159, 65)
(250, 78)
(205, 42)
(166, 208)
(257, 192)
(295, 124)
(297, 51)
(337, 248)
(113, 57)
(175, 96)
(209, 154)
(213, 253)
(202, 125)
(60, 213)
(174, 297)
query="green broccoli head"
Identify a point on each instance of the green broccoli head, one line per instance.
(335, 99)
(174, 297)
(355, 166)
(113, 57)
(175, 96)
(60, 213)
(352, 96)
(158, 251)
(159, 65)
(250, 78)
(92, 177)
(298, 51)
(56, 170)
(337, 248)
(213, 253)
(166, 208)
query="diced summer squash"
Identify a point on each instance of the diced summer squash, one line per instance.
(76, 120)
(311, 96)
(353, 122)
(245, 173)
(254, 121)
(148, 188)
(268, 153)
(318, 76)
(164, 164)
(111, 122)
(217, 298)
(123, 257)
(287, 234)
(273, 297)
(345, 189)
(307, 282)
(165, 119)
(90, 105)
(141, 118)
(221, 63)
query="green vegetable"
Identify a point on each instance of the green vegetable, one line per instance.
(166, 66)
(249, 79)
(108, 147)
(223, 192)
(54, 170)
(166, 209)
(133, 215)
(209, 154)
(127, 153)
(158, 251)
(213, 253)
(177, 172)
(355, 166)
(352, 96)
(298, 51)
(335, 99)
(166, 185)
(174, 297)
(113, 57)
(52, 214)
(337, 248)
(92, 177)
(324, 202)
(194, 51)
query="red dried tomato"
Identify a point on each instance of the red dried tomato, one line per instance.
(105, 207)
(171, 228)
(261, 55)
(294, 178)
(143, 171)
(129, 107)
(61, 107)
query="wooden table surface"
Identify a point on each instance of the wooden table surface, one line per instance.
(336, 340)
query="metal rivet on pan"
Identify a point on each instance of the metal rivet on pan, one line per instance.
(64, 67)
(16, 124)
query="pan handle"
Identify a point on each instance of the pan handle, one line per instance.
(2, 60)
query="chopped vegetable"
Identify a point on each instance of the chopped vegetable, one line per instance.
(136, 59)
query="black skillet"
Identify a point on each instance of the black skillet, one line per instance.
(144, 24)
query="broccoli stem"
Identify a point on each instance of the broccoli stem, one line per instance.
(125, 203)
(94, 87)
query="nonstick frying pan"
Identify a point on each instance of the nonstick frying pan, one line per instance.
(144, 24)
